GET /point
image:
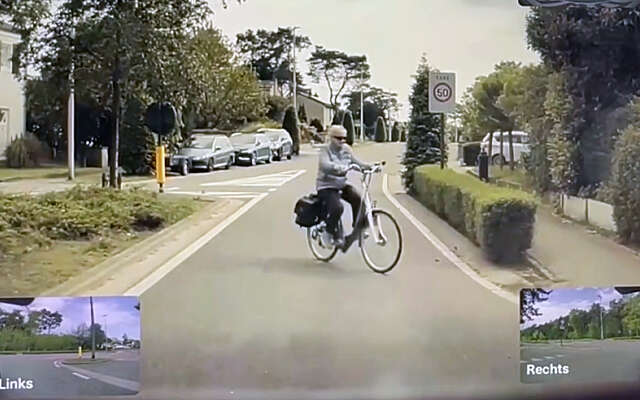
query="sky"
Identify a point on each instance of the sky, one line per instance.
(467, 37)
(121, 316)
(561, 301)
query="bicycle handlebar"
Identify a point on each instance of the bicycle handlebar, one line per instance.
(377, 167)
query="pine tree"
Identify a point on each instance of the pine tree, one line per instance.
(395, 132)
(421, 124)
(347, 122)
(302, 114)
(381, 130)
(291, 125)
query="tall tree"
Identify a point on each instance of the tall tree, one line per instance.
(347, 122)
(290, 123)
(421, 125)
(49, 320)
(269, 52)
(338, 70)
(528, 299)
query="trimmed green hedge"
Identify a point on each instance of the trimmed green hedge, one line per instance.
(499, 220)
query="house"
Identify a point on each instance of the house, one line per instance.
(12, 97)
(315, 108)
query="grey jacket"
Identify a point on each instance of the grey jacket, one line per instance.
(333, 167)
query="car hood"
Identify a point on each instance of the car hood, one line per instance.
(189, 152)
(245, 147)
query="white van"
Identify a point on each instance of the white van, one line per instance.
(520, 146)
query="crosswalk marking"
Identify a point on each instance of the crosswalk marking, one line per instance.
(270, 180)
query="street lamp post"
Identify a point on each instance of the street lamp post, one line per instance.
(106, 337)
(71, 113)
(295, 83)
(362, 105)
(601, 325)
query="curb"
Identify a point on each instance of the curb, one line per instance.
(110, 267)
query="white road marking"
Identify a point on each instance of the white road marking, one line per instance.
(161, 272)
(272, 190)
(270, 180)
(549, 357)
(536, 359)
(86, 378)
(56, 364)
(523, 362)
(559, 355)
(171, 189)
(426, 232)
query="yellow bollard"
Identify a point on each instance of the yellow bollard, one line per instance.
(160, 168)
(79, 351)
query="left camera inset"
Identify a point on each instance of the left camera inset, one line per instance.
(61, 347)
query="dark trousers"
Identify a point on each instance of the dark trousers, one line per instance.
(333, 207)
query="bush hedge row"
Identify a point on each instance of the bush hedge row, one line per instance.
(499, 220)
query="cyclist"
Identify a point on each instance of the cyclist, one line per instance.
(331, 183)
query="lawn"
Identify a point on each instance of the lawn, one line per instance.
(45, 240)
(518, 176)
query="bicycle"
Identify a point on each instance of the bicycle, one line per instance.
(371, 223)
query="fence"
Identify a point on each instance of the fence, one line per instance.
(590, 211)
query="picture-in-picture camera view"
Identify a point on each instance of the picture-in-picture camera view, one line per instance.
(337, 199)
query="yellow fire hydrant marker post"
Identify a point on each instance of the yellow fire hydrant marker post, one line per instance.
(160, 168)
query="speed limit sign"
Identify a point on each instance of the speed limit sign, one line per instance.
(442, 92)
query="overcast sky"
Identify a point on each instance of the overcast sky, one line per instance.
(562, 301)
(464, 36)
(121, 316)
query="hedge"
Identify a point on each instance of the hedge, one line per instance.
(499, 220)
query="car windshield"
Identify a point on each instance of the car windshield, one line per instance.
(243, 139)
(201, 142)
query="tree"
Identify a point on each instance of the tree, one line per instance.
(338, 70)
(12, 320)
(276, 107)
(395, 132)
(48, 320)
(421, 125)
(338, 116)
(317, 124)
(347, 122)
(291, 125)
(528, 299)
(268, 52)
(632, 316)
(381, 130)
(302, 114)
(403, 134)
(377, 102)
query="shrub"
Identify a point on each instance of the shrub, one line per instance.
(24, 152)
(291, 125)
(276, 107)
(625, 185)
(497, 219)
(348, 125)
(395, 132)
(317, 124)
(381, 130)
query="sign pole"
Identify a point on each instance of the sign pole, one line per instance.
(160, 167)
(442, 126)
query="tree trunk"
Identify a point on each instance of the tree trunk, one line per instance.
(115, 128)
(511, 160)
(490, 146)
(501, 149)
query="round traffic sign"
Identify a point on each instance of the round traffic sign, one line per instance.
(442, 92)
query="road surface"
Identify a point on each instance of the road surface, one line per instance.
(589, 361)
(52, 378)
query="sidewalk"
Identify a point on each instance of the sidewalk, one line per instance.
(41, 186)
(576, 255)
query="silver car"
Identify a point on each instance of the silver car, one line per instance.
(204, 151)
(281, 143)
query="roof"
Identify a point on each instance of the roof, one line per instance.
(7, 28)
(307, 96)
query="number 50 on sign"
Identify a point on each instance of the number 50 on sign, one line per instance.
(442, 92)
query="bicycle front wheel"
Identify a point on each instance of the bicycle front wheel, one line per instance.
(381, 244)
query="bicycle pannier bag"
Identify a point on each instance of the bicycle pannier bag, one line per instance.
(307, 211)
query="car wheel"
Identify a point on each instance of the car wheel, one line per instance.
(289, 155)
(254, 159)
(211, 165)
(184, 168)
(498, 160)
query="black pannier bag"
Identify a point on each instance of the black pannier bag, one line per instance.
(307, 211)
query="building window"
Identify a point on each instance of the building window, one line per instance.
(6, 54)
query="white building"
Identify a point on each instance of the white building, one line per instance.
(12, 98)
(315, 108)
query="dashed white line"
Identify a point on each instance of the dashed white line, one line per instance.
(536, 359)
(559, 355)
(86, 378)
(171, 189)
(549, 357)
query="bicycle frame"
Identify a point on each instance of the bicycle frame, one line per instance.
(366, 209)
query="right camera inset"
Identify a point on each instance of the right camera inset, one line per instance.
(577, 335)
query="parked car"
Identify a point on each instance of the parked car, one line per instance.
(252, 148)
(281, 143)
(204, 151)
(520, 146)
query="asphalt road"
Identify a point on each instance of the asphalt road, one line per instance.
(52, 378)
(607, 361)
(252, 315)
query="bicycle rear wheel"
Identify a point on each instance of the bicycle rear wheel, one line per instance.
(381, 245)
(320, 250)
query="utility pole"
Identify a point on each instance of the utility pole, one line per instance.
(295, 83)
(601, 325)
(71, 111)
(106, 337)
(93, 331)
